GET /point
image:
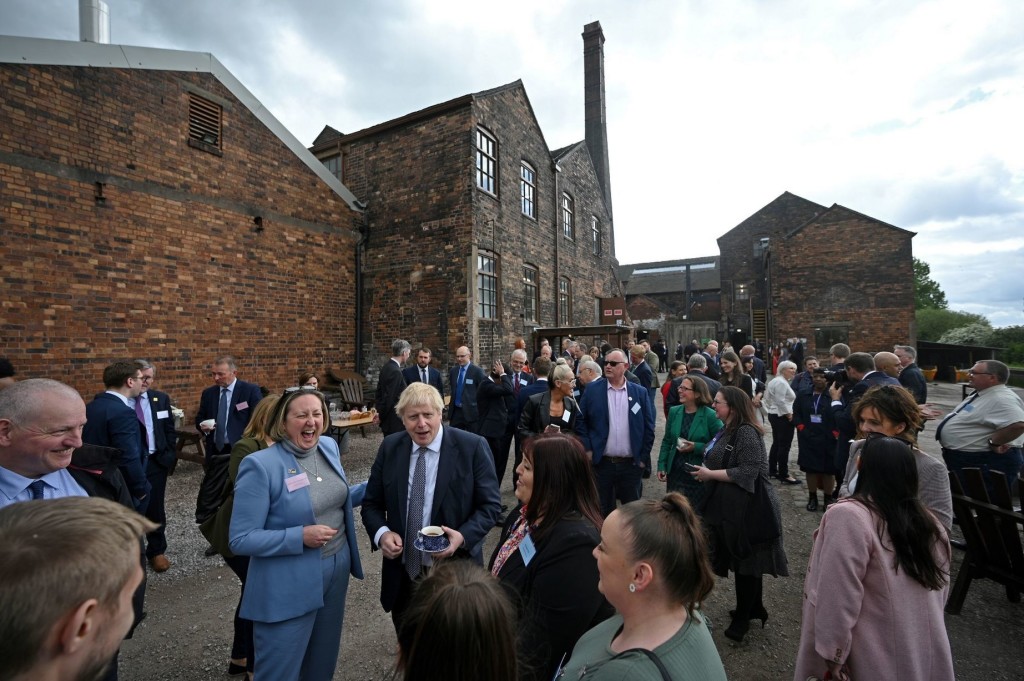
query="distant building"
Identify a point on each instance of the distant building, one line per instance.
(152, 207)
(792, 269)
(476, 232)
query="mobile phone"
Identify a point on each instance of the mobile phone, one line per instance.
(689, 467)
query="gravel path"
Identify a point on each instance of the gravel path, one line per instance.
(187, 633)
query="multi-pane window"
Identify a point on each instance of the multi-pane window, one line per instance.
(528, 189)
(742, 292)
(568, 224)
(333, 164)
(487, 285)
(595, 234)
(531, 293)
(564, 300)
(486, 162)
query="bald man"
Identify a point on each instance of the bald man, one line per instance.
(888, 363)
(464, 380)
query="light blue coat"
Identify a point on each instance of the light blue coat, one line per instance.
(266, 523)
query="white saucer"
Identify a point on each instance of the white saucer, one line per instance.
(417, 543)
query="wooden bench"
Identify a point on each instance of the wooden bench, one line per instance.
(992, 530)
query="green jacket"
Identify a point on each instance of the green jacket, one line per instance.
(705, 425)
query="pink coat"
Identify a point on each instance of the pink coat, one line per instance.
(860, 610)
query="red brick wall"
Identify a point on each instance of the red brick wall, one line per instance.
(846, 269)
(169, 266)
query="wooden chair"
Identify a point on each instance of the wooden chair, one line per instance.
(992, 530)
(352, 388)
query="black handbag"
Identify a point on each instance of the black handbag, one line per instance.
(740, 521)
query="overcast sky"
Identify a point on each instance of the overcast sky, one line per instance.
(911, 112)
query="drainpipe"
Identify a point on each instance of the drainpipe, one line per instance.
(360, 244)
(558, 208)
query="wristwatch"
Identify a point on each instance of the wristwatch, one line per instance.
(992, 444)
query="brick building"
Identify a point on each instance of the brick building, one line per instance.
(476, 231)
(792, 269)
(798, 269)
(152, 207)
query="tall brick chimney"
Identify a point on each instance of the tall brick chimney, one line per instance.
(594, 105)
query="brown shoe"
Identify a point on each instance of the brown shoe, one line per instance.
(159, 563)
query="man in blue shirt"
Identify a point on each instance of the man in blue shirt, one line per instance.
(41, 424)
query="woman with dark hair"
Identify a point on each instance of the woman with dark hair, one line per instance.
(892, 410)
(877, 579)
(293, 517)
(654, 569)
(675, 370)
(748, 467)
(553, 407)
(543, 557)
(816, 439)
(689, 427)
(459, 626)
(309, 379)
(732, 373)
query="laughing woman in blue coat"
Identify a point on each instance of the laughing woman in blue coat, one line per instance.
(293, 516)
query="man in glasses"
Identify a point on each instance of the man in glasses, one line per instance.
(112, 422)
(617, 430)
(986, 430)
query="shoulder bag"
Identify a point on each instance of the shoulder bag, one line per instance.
(741, 521)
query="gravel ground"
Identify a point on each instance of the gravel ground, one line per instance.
(187, 633)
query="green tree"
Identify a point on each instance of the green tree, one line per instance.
(1011, 339)
(927, 292)
(932, 322)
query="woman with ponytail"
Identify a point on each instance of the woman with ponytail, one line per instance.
(653, 563)
(877, 579)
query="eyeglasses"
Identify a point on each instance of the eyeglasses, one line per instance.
(612, 363)
(721, 402)
(979, 373)
(136, 378)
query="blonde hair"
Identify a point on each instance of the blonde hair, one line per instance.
(276, 430)
(257, 428)
(419, 394)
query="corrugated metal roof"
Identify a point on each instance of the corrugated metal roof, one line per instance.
(669, 276)
(45, 52)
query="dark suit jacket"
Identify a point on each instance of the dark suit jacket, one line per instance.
(243, 400)
(912, 379)
(536, 415)
(111, 423)
(517, 410)
(493, 403)
(714, 370)
(474, 377)
(644, 374)
(159, 405)
(412, 375)
(390, 385)
(466, 496)
(593, 426)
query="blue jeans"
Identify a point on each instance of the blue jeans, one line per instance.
(1009, 464)
(617, 480)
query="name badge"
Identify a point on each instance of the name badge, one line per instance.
(241, 405)
(636, 408)
(968, 407)
(527, 550)
(163, 414)
(523, 381)
(566, 415)
(815, 418)
(296, 482)
(575, 393)
(469, 381)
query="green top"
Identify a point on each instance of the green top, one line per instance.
(702, 428)
(689, 654)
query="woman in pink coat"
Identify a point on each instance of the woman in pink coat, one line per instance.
(877, 580)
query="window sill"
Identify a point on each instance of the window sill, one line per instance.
(203, 146)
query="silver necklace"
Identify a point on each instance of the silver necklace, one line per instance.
(316, 468)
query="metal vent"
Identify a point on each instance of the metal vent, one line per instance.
(204, 121)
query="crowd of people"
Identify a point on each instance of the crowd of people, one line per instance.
(588, 579)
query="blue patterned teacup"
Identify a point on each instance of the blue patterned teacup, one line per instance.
(434, 539)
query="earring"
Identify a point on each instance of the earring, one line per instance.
(632, 588)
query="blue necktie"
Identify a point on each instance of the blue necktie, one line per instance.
(414, 517)
(37, 489)
(458, 386)
(221, 438)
